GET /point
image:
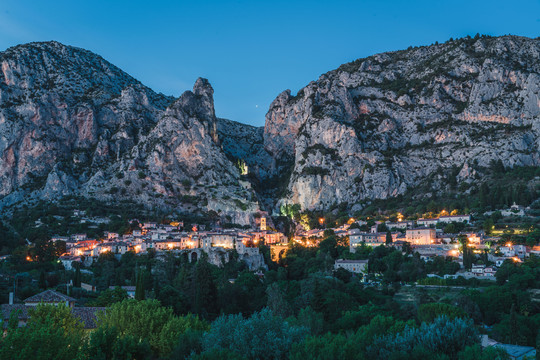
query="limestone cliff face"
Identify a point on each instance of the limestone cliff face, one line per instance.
(378, 126)
(72, 123)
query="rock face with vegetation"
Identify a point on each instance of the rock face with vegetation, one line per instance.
(73, 124)
(435, 116)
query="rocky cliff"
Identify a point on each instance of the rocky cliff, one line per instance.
(434, 116)
(73, 124)
(380, 126)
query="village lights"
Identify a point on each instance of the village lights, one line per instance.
(321, 220)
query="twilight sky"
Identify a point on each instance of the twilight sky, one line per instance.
(252, 50)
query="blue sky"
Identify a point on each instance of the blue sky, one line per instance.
(252, 50)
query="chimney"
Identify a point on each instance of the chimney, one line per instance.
(10, 298)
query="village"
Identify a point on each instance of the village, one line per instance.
(476, 252)
(425, 236)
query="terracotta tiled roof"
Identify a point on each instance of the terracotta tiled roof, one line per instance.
(86, 314)
(49, 296)
(7, 309)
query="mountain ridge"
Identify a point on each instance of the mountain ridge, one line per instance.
(373, 128)
(73, 124)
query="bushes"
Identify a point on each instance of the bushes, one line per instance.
(51, 333)
(443, 336)
(429, 312)
(240, 205)
(146, 321)
(262, 336)
(323, 150)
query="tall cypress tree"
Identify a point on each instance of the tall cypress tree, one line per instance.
(467, 252)
(388, 237)
(205, 296)
(317, 302)
(513, 325)
(42, 282)
(139, 287)
(77, 280)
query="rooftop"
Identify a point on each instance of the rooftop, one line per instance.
(86, 314)
(49, 296)
(515, 351)
(341, 261)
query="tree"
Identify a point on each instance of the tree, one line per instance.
(262, 336)
(443, 336)
(475, 352)
(189, 343)
(110, 296)
(42, 282)
(277, 303)
(329, 245)
(468, 256)
(488, 226)
(77, 281)
(148, 320)
(139, 286)
(109, 343)
(429, 312)
(450, 228)
(310, 319)
(388, 238)
(406, 248)
(52, 332)
(346, 347)
(205, 290)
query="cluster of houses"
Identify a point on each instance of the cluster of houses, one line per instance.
(429, 241)
(170, 237)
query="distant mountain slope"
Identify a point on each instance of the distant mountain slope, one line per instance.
(73, 124)
(380, 126)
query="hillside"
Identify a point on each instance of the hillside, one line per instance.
(435, 115)
(434, 118)
(73, 124)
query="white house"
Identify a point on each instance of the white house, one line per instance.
(520, 251)
(421, 236)
(478, 269)
(455, 218)
(373, 239)
(78, 237)
(427, 222)
(354, 266)
(397, 225)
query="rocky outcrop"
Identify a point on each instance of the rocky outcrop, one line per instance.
(434, 116)
(73, 124)
(379, 126)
